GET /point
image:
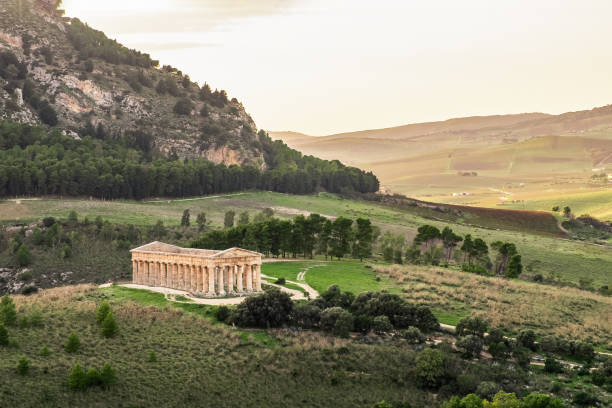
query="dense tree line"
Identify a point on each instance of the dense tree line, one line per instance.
(93, 43)
(36, 162)
(301, 236)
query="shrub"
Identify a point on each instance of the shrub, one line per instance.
(333, 296)
(66, 251)
(107, 375)
(222, 313)
(103, 310)
(183, 107)
(527, 338)
(487, 389)
(536, 400)
(23, 256)
(584, 399)
(306, 316)
(23, 365)
(44, 351)
(401, 314)
(152, 357)
(92, 377)
(8, 313)
(4, 338)
(522, 356)
(381, 324)
(47, 114)
(73, 344)
(471, 325)
(77, 380)
(29, 289)
(429, 368)
(280, 281)
(48, 221)
(362, 323)
(413, 335)
(109, 325)
(336, 321)
(270, 309)
(471, 345)
(552, 366)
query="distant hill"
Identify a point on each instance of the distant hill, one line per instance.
(438, 157)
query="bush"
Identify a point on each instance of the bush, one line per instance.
(47, 114)
(333, 296)
(23, 365)
(152, 357)
(471, 345)
(44, 351)
(4, 338)
(183, 107)
(66, 251)
(23, 256)
(536, 400)
(401, 314)
(109, 325)
(412, 335)
(487, 389)
(336, 321)
(222, 313)
(527, 338)
(270, 309)
(103, 310)
(73, 344)
(29, 289)
(381, 324)
(280, 281)
(48, 221)
(8, 313)
(552, 366)
(522, 356)
(306, 316)
(429, 368)
(584, 399)
(107, 375)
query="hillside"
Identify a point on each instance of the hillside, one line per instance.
(57, 71)
(480, 161)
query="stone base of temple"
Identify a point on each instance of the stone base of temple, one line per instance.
(205, 295)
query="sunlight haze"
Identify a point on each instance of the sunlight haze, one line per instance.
(323, 67)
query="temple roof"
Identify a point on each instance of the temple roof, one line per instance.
(163, 248)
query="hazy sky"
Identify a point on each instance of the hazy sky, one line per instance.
(327, 66)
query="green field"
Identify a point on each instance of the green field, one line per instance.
(542, 253)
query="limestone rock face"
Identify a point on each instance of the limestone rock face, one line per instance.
(87, 92)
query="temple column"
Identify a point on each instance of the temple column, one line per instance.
(194, 278)
(183, 276)
(239, 278)
(203, 285)
(230, 278)
(157, 274)
(162, 274)
(257, 269)
(153, 273)
(249, 278)
(167, 274)
(220, 289)
(175, 277)
(134, 272)
(211, 280)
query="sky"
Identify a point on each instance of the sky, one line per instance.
(327, 66)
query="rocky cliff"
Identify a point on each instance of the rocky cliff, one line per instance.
(60, 72)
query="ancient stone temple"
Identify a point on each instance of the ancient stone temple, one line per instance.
(203, 272)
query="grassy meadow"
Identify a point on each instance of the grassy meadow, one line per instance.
(544, 254)
(508, 304)
(197, 363)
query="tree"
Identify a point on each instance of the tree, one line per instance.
(243, 218)
(515, 268)
(471, 325)
(471, 345)
(527, 339)
(381, 324)
(228, 221)
(450, 241)
(23, 256)
(504, 400)
(426, 234)
(506, 250)
(567, 212)
(8, 312)
(73, 217)
(201, 221)
(103, 310)
(325, 237)
(107, 375)
(364, 238)
(77, 380)
(185, 218)
(109, 325)
(23, 365)
(341, 235)
(429, 368)
(73, 343)
(47, 114)
(270, 309)
(4, 338)
(337, 321)
(555, 208)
